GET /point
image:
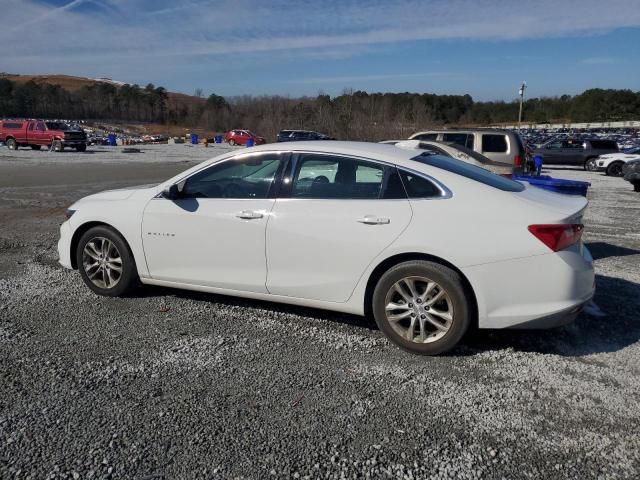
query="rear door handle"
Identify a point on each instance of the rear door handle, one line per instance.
(373, 220)
(249, 215)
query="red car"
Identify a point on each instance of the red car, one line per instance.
(240, 137)
(39, 133)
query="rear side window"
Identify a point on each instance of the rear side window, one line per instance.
(470, 171)
(331, 177)
(604, 144)
(426, 136)
(463, 139)
(12, 125)
(494, 143)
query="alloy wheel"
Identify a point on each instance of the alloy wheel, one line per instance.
(419, 309)
(102, 262)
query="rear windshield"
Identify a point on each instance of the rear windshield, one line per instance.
(470, 171)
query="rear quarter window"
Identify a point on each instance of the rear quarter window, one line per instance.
(471, 172)
(12, 125)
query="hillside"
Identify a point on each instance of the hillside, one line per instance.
(73, 84)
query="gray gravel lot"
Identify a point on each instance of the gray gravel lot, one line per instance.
(172, 384)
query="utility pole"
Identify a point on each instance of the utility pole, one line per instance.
(521, 92)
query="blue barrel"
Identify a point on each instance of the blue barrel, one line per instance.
(249, 142)
(559, 185)
(111, 139)
(194, 139)
(218, 138)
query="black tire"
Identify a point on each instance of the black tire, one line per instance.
(591, 165)
(36, 147)
(446, 279)
(57, 146)
(127, 279)
(615, 169)
(12, 144)
(636, 186)
(81, 148)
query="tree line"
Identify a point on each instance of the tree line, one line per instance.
(351, 115)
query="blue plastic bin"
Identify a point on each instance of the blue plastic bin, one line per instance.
(218, 138)
(249, 142)
(194, 139)
(111, 139)
(559, 185)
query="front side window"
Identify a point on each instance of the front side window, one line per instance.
(493, 143)
(40, 127)
(333, 177)
(248, 177)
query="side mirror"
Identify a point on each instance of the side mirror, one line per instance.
(171, 193)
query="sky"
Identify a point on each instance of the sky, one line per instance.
(485, 48)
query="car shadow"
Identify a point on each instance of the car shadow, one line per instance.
(600, 250)
(275, 307)
(610, 324)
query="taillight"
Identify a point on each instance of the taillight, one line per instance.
(517, 161)
(558, 236)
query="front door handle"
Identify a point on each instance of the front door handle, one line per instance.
(249, 215)
(373, 220)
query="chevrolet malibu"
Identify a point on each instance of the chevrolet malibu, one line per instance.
(428, 245)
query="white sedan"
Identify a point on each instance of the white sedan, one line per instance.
(612, 163)
(427, 245)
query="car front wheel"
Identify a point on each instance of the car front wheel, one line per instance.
(615, 169)
(105, 262)
(422, 307)
(591, 165)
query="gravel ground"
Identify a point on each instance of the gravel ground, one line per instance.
(172, 384)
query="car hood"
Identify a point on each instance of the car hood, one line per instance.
(117, 194)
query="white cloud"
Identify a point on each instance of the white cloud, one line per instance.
(155, 35)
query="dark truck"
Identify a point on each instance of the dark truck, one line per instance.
(574, 152)
(39, 133)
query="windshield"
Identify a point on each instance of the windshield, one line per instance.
(57, 126)
(470, 171)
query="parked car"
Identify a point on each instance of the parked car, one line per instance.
(345, 226)
(454, 150)
(574, 152)
(300, 135)
(502, 146)
(39, 133)
(631, 173)
(240, 137)
(612, 163)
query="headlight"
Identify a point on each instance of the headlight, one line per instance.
(69, 213)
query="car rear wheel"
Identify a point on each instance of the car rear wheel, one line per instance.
(11, 144)
(105, 262)
(58, 146)
(591, 165)
(422, 307)
(615, 169)
(232, 142)
(81, 148)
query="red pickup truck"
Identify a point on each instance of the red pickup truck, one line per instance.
(39, 133)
